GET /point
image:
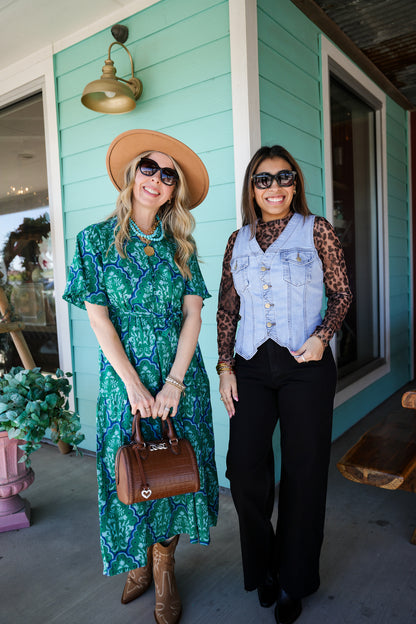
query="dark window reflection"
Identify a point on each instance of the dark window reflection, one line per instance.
(356, 223)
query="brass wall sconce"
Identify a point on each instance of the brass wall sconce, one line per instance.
(108, 94)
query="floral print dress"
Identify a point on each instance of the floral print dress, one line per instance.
(144, 296)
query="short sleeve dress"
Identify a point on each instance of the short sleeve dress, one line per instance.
(144, 296)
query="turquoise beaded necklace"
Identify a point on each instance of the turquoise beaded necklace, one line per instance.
(156, 236)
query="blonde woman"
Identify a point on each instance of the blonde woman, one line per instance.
(138, 277)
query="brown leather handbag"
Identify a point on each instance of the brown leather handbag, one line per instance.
(157, 469)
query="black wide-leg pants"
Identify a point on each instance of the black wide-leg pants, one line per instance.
(273, 387)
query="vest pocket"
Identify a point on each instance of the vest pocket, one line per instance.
(239, 270)
(297, 266)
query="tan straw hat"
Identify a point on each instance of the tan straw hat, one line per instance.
(127, 145)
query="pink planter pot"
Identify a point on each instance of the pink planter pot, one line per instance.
(14, 478)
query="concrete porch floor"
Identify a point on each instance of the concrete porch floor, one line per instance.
(52, 572)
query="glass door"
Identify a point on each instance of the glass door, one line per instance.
(26, 260)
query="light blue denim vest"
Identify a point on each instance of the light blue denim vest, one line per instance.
(280, 290)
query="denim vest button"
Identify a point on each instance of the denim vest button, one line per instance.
(267, 305)
(263, 269)
(265, 286)
(269, 324)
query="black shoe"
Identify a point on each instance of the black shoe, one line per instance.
(267, 591)
(287, 609)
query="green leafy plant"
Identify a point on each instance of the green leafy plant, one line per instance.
(31, 403)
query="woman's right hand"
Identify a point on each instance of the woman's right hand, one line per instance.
(228, 391)
(140, 399)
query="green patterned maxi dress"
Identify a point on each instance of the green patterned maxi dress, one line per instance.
(144, 296)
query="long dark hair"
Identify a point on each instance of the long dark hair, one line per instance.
(249, 208)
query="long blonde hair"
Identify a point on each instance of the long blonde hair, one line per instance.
(176, 218)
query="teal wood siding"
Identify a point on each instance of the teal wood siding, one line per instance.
(290, 93)
(399, 244)
(181, 53)
(291, 114)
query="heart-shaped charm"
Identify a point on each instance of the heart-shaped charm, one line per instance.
(146, 492)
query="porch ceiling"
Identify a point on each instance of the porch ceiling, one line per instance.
(27, 26)
(383, 30)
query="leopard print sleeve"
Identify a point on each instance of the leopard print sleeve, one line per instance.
(336, 282)
(228, 307)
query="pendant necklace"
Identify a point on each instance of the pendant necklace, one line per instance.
(155, 235)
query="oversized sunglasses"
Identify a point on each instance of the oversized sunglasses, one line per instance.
(265, 180)
(149, 167)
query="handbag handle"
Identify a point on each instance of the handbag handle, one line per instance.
(167, 429)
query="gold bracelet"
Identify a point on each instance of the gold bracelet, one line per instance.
(175, 382)
(224, 367)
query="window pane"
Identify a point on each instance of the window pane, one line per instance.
(355, 220)
(26, 261)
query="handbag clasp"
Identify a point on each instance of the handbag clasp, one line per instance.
(162, 446)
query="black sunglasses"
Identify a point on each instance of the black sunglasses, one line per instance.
(265, 180)
(149, 167)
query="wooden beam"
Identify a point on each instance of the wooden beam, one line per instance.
(334, 32)
(17, 336)
(5, 328)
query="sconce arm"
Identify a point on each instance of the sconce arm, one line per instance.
(135, 84)
(131, 60)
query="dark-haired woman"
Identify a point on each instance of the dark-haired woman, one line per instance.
(137, 275)
(277, 366)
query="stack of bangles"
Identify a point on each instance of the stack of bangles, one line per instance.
(175, 382)
(224, 367)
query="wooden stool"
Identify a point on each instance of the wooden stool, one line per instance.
(385, 456)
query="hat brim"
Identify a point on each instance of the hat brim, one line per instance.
(129, 144)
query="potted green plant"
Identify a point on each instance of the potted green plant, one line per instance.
(31, 403)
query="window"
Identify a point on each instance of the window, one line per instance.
(355, 195)
(26, 260)
(355, 220)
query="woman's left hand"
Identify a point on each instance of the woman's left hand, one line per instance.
(166, 402)
(311, 350)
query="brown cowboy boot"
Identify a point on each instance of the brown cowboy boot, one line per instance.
(138, 580)
(168, 607)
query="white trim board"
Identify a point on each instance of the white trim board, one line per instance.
(245, 89)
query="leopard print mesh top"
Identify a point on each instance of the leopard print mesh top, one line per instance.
(335, 280)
